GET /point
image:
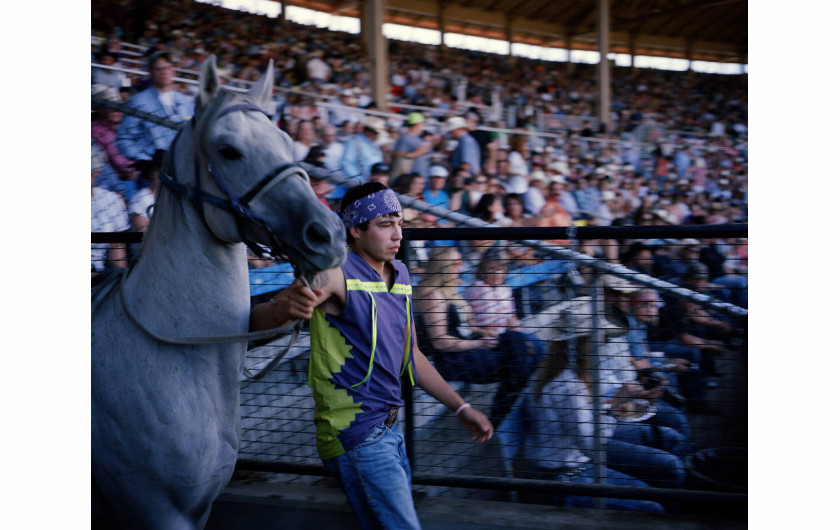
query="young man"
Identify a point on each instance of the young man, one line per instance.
(363, 340)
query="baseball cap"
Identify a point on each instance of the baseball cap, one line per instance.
(414, 118)
(438, 171)
(380, 167)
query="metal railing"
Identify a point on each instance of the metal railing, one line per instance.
(278, 434)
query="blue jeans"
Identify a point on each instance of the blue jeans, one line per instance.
(587, 476)
(376, 477)
(657, 467)
(510, 364)
(613, 478)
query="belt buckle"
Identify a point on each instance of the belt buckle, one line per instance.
(392, 417)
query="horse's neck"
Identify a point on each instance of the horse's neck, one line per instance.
(183, 265)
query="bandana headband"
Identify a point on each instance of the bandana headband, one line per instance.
(377, 204)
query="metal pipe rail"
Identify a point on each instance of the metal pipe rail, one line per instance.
(516, 484)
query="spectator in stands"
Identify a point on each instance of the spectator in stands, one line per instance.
(106, 77)
(103, 130)
(639, 257)
(333, 149)
(316, 69)
(556, 172)
(411, 150)
(535, 196)
(487, 143)
(514, 211)
(674, 333)
(561, 418)
(322, 187)
(553, 214)
(682, 361)
(141, 204)
(586, 196)
(138, 139)
(518, 172)
(344, 111)
(700, 321)
(305, 139)
(436, 195)
(107, 214)
(493, 305)
(727, 266)
(362, 151)
(461, 349)
(467, 150)
(491, 209)
(379, 173)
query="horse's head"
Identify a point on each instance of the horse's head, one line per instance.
(242, 157)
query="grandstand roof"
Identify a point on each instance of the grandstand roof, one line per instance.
(706, 30)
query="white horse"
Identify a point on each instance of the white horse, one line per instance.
(165, 416)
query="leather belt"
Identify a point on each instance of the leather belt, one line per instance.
(392, 417)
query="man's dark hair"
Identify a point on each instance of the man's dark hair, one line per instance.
(155, 57)
(357, 192)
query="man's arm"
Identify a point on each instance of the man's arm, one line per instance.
(327, 290)
(436, 386)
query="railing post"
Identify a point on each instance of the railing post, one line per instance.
(404, 255)
(597, 336)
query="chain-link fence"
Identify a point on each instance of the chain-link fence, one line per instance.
(589, 378)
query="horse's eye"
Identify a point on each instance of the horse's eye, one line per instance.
(230, 153)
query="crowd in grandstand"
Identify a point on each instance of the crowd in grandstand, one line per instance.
(511, 142)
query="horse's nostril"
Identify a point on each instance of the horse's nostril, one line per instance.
(317, 235)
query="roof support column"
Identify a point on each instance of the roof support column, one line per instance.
(689, 52)
(441, 22)
(373, 16)
(509, 38)
(604, 64)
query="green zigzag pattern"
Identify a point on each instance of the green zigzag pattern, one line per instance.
(334, 407)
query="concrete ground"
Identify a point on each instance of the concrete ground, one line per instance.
(262, 505)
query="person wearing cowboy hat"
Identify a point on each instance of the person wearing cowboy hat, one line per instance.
(362, 151)
(467, 150)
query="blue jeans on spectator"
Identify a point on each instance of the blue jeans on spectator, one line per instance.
(510, 364)
(376, 477)
(734, 291)
(613, 478)
(692, 383)
(584, 475)
(657, 467)
(669, 416)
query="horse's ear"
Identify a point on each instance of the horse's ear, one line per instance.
(208, 81)
(260, 91)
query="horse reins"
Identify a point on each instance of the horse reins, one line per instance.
(241, 213)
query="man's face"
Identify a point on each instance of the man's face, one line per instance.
(494, 274)
(643, 260)
(328, 135)
(162, 74)
(437, 183)
(381, 241)
(646, 311)
(379, 177)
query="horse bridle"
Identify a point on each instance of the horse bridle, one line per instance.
(241, 212)
(237, 207)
